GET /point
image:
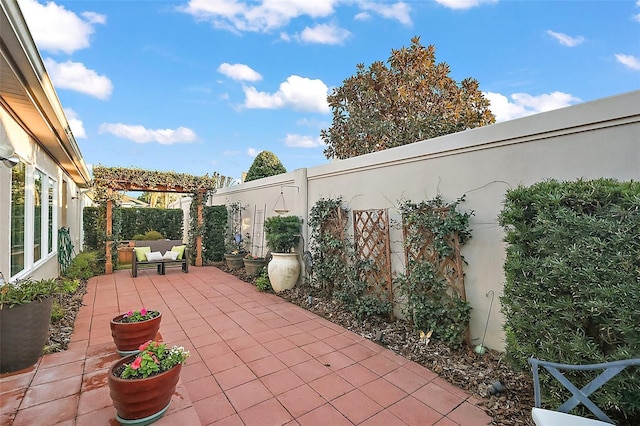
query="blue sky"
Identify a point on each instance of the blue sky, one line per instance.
(202, 86)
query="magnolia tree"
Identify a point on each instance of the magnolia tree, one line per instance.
(411, 100)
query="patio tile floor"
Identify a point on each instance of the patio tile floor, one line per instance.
(255, 360)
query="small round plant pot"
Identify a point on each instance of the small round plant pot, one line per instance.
(128, 336)
(23, 334)
(234, 261)
(252, 266)
(284, 270)
(141, 401)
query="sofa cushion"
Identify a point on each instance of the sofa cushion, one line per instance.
(154, 255)
(170, 255)
(179, 250)
(141, 253)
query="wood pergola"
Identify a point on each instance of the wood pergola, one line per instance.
(109, 181)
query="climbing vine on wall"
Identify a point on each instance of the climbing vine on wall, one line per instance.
(432, 286)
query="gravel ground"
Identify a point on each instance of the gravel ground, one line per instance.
(461, 367)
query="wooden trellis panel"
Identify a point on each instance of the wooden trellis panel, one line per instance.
(371, 240)
(450, 267)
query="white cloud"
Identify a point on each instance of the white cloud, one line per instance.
(464, 4)
(75, 76)
(250, 16)
(239, 72)
(523, 104)
(302, 141)
(324, 34)
(299, 93)
(566, 40)
(636, 17)
(56, 29)
(140, 134)
(398, 11)
(77, 126)
(252, 152)
(628, 61)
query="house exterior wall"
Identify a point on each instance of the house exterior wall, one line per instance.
(35, 157)
(590, 140)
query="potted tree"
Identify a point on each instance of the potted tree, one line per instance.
(283, 235)
(132, 329)
(25, 315)
(141, 385)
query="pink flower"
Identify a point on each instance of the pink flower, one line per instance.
(144, 346)
(128, 314)
(143, 312)
(136, 364)
(155, 359)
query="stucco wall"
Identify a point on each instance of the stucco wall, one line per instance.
(31, 154)
(590, 140)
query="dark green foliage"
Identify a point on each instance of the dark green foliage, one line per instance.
(429, 306)
(95, 228)
(354, 292)
(138, 221)
(195, 230)
(329, 250)
(85, 265)
(282, 233)
(430, 303)
(215, 221)
(572, 287)
(265, 164)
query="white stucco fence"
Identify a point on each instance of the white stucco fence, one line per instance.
(590, 140)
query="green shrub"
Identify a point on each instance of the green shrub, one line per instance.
(27, 291)
(85, 265)
(282, 233)
(215, 225)
(58, 312)
(152, 235)
(262, 282)
(429, 306)
(572, 286)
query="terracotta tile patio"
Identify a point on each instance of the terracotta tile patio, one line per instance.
(255, 360)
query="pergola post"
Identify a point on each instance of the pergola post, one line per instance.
(108, 267)
(199, 237)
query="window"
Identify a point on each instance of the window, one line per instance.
(33, 217)
(18, 197)
(38, 217)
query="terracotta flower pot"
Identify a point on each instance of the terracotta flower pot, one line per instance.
(128, 336)
(23, 334)
(141, 401)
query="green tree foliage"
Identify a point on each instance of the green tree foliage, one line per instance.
(572, 289)
(411, 100)
(265, 164)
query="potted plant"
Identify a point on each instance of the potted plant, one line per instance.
(283, 235)
(25, 315)
(253, 264)
(141, 385)
(132, 329)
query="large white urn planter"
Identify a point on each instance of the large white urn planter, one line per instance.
(284, 270)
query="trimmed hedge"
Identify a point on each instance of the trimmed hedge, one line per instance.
(137, 220)
(572, 290)
(215, 225)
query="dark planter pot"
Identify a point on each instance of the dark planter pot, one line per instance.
(23, 334)
(234, 261)
(253, 266)
(129, 336)
(141, 401)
